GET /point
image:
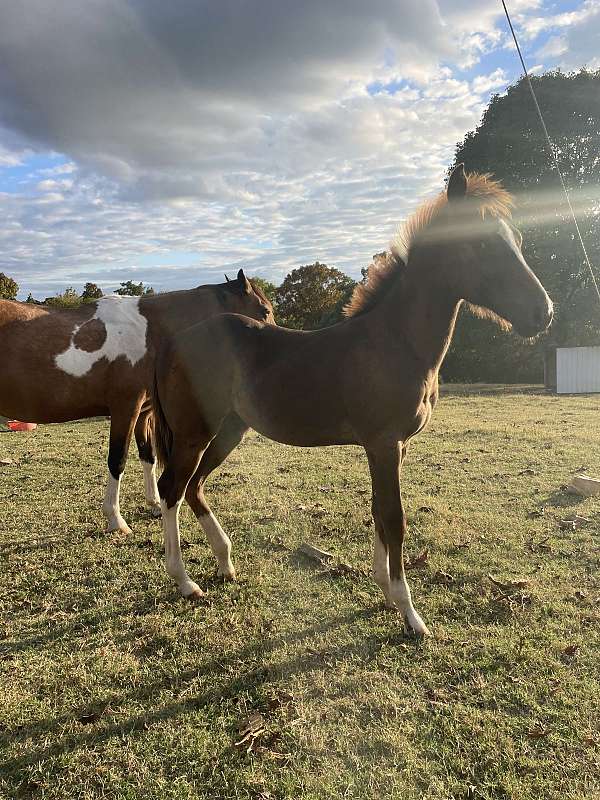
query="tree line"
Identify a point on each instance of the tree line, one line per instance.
(509, 144)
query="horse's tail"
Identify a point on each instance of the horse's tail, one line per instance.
(162, 434)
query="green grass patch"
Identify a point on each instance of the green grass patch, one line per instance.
(115, 687)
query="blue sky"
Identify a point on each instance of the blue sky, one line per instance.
(170, 143)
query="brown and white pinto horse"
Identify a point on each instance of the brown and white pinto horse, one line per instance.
(371, 379)
(66, 364)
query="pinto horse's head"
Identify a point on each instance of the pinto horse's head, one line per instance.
(241, 296)
(472, 228)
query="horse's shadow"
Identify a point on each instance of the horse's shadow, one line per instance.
(226, 687)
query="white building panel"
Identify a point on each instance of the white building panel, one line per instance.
(577, 370)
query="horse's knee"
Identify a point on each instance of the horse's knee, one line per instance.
(167, 489)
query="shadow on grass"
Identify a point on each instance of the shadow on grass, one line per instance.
(563, 499)
(224, 688)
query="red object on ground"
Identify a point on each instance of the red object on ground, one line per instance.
(15, 425)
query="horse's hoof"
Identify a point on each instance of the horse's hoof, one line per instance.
(227, 575)
(119, 527)
(416, 628)
(155, 511)
(195, 595)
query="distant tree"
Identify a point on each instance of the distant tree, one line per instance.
(309, 295)
(31, 299)
(68, 299)
(134, 289)
(8, 287)
(91, 292)
(509, 143)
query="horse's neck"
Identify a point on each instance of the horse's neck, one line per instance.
(421, 310)
(174, 310)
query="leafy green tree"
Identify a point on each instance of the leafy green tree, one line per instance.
(509, 143)
(91, 291)
(68, 299)
(134, 289)
(8, 287)
(309, 295)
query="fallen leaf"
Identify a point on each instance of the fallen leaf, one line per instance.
(324, 489)
(418, 561)
(538, 733)
(249, 729)
(508, 585)
(573, 522)
(528, 471)
(569, 652)
(442, 577)
(426, 510)
(341, 568)
(5, 462)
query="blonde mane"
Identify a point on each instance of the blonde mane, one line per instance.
(492, 199)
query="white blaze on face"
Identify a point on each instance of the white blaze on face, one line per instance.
(125, 336)
(509, 237)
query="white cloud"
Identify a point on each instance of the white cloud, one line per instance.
(243, 132)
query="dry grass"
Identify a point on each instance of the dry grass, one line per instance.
(114, 687)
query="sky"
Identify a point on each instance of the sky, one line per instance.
(172, 142)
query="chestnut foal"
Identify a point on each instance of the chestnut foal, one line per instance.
(370, 380)
(66, 364)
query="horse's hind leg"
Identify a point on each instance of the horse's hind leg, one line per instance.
(390, 519)
(230, 434)
(143, 438)
(121, 428)
(183, 461)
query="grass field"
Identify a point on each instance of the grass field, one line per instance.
(294, 682)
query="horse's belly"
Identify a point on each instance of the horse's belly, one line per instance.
(304, 423)
(32, 396)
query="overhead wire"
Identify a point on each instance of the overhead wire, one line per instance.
(552, 152)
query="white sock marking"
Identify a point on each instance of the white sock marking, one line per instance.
(110, 506)
(400, 594)
(219, 542)
(381, 567)
(150, 487)
(173, 560)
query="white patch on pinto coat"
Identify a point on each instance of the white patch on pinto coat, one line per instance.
(125, 336)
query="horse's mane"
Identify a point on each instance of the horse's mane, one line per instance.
(259, 292)
(492, 198)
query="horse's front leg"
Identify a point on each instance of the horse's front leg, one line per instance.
(122, 423)
(145, 446)
(183, 460)
(390, 528)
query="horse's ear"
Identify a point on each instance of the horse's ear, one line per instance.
(457, 183)
(244, 283)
